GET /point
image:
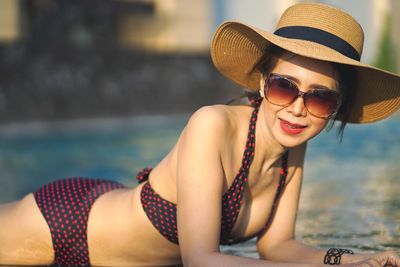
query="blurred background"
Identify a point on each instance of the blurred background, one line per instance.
(102, 88)
(64, 59)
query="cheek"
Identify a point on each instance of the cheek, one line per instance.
(318, 124)
(272, 110)
(272, 113)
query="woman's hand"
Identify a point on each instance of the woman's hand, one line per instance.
(388, 258)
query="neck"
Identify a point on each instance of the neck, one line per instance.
(267, 148)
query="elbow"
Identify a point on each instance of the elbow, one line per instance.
(264, 255)
(265, 252)
(268, 252)
(199, 260)
(272, 252)
(193, 261)
(190, 262)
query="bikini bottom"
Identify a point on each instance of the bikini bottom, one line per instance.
(65, 205)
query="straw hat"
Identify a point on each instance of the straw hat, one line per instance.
(316, 31)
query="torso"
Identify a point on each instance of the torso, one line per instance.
(131, 239)
(142, 241)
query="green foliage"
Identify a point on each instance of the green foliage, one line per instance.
(385, 58)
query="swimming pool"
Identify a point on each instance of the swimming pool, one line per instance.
(350, 194)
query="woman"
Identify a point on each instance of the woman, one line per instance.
(304, 75)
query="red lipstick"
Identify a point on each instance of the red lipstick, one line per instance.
(291, 128)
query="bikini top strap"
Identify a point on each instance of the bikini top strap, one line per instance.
(282, 182)
(248, 154)
(255, 99)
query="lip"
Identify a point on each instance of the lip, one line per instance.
(291, 128)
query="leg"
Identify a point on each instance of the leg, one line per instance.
(24, 234)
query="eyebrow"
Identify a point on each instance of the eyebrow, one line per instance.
(314, 85)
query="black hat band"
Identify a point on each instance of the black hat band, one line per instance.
(321, 37)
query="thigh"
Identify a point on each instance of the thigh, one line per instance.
(24, 234)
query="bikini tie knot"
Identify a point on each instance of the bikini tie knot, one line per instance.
(255, 99)
(143, 175)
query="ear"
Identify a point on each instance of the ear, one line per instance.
(262, 84)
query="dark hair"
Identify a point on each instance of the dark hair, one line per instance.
(347, 82)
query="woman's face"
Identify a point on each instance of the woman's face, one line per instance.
(293, 125)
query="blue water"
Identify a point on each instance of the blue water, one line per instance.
(36, 153)
(350, 195)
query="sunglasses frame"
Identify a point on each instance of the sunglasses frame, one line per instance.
(301, 94)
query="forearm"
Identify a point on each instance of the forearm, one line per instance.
(295, 251)
(220, 260)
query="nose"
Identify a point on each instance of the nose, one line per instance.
(297, 107)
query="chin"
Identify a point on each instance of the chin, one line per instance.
(290, 143)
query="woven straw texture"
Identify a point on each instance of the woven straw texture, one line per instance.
(237, 47)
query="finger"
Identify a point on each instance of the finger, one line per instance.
(369, 263)
(396, 261)
(393, 259)
(389, 265)
(365, 264)
(375, 263)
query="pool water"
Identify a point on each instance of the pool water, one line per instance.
(350, 195)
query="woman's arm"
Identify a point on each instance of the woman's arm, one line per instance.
(278, 243)
(302, 253)
(200, 185)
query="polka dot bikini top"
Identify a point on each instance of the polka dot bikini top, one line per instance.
(162, 213)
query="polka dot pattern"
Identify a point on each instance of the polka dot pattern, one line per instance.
(233, 198)
(65, 204)
(254, 99)
(162, 213)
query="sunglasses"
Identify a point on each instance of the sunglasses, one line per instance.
(321, 103)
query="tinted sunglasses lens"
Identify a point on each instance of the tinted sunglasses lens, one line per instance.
(321, 103)
(280, 91)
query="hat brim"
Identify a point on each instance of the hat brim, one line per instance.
(237, 47)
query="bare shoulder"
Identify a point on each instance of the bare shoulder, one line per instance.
(215, 121)
(213, 130)
(215, 115)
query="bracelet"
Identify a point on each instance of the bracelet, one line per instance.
(334, 255)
